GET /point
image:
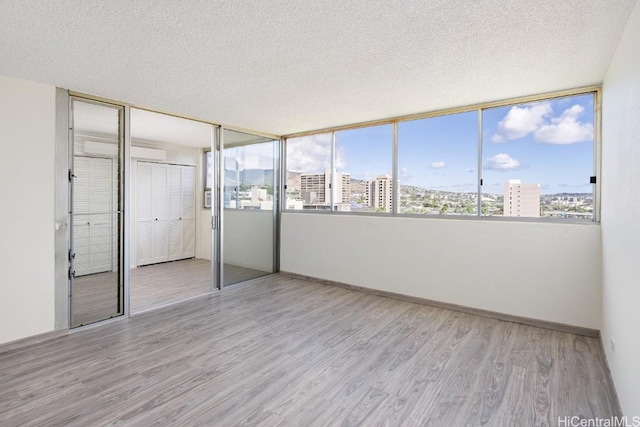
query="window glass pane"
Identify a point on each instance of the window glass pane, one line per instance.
(207, 170)
(538, 158)
(363, 160)
(437, 165)
(308, 165)
(248, 176)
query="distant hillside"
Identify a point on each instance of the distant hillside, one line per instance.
(293, 181)
(358, 186)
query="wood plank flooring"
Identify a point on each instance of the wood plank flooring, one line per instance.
(281, 351)
(160, 284)
(96, 295)
(235, 274)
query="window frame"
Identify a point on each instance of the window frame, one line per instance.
(595, 91)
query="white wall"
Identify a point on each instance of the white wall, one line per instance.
(248, 238)
(203, 231)
(543, 271)
(27, 135)
(620, 216)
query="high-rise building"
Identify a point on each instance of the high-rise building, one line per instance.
(379, 193)
(521, 199)
(315, 189)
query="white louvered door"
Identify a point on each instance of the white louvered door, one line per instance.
(160, 213)
(152, 213)
(182, 212)
(175, 213)
(81, 217)
(166, 212)
(101, 206)
(144, 214)
(93, 222)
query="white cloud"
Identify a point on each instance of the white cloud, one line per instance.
(537, 119)
(313, 154)
(502, 162)
(405, 175)
(521, 121)
(438, 165)
(256, 156)
(566, 129)
(258, 162)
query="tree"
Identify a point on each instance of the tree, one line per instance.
(444, 208)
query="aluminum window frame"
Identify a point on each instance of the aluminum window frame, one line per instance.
(595, 90)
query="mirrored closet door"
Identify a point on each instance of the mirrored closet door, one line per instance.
(95, 255)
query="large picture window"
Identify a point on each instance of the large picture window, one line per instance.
(364, 163)
(527, 160)
(537, 159)
(309, 172)
(438, 165)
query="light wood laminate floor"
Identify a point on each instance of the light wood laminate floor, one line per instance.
(284, 351)
(96, 296)
(234, 274)
(160, 284)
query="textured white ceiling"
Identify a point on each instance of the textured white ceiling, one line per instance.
(284, 66)
(150, 126)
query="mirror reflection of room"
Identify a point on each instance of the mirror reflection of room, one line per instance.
(170, 225)
(96, 286)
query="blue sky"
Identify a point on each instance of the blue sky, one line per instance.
(549, 143)
(376, 159)
(440, 153)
